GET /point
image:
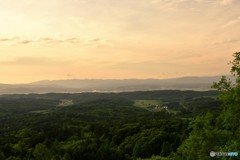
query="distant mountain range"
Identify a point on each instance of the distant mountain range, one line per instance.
(98, 85)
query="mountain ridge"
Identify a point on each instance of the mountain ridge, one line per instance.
(111, 85)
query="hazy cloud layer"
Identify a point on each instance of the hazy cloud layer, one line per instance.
(80, 42)
(117, 39)
(226, 2)
(36, 61)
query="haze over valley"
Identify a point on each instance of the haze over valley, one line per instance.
(119, 79)
(97, 85)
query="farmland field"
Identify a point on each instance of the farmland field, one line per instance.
(146, 103)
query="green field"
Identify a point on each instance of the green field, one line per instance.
(146, 103)
(40, 111)
(152, 105)
(2, 114)
(114, 126)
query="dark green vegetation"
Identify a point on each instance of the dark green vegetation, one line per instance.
(184, 125)
(98, 125)
(221, 132)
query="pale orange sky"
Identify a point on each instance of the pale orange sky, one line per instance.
(112, 39)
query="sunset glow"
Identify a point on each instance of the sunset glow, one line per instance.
(110, 39)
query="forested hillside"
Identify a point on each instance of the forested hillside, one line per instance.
(163, 125)
(99, 125)
(219, 133)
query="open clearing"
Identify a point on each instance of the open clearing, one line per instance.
(147, 103)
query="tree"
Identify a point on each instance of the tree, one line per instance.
(2, 157)
(221, 133)
(41, 152)
(236, 64)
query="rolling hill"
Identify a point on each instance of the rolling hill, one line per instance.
(109, 85)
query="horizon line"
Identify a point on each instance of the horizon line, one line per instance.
(105, 79)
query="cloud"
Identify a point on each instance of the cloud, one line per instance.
(36, 61)
(231, 22)
(226, 2)
(25, 42)
(9, 39)
(77, 41)
(176, 3)
(229, 41)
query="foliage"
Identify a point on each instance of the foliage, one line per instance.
(217, 133)
(99, 125)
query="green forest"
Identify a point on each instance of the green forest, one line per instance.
(143, 125)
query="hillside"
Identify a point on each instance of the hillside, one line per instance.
(93, 85)
(106, 125)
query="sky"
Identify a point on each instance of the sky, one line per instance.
(112, 39)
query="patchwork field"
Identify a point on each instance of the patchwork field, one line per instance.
(147, 103)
